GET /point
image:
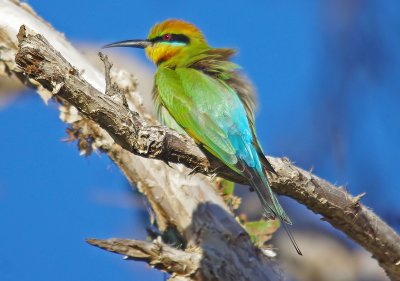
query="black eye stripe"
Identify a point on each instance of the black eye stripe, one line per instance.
(174, 38)
(180, 38)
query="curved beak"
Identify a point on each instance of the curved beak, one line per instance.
(130, 43)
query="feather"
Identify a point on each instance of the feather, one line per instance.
(216, 62)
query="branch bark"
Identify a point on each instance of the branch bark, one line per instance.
(156, 253)
(203, 225)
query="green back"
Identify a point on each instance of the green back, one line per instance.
(197, 102)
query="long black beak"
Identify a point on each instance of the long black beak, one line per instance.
(130, 43)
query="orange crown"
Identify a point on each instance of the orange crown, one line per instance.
(176, 26)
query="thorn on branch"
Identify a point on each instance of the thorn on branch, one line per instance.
(356, 200)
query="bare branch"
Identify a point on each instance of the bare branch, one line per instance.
(156, 253)
(342, 210)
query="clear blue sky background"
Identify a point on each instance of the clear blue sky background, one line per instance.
(327, 73)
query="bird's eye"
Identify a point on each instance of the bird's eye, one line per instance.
(167, 37)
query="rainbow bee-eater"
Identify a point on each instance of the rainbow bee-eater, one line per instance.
(199, 91)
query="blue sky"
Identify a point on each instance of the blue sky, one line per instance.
(327, 78)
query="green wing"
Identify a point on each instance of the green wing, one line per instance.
(213, 115)
(194, 99)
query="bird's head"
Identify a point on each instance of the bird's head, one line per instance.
(169, 42)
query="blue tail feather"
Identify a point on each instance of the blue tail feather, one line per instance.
(271, 206)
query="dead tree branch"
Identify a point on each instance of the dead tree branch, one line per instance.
(157, 254)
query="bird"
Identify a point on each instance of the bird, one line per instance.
(200, 92)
